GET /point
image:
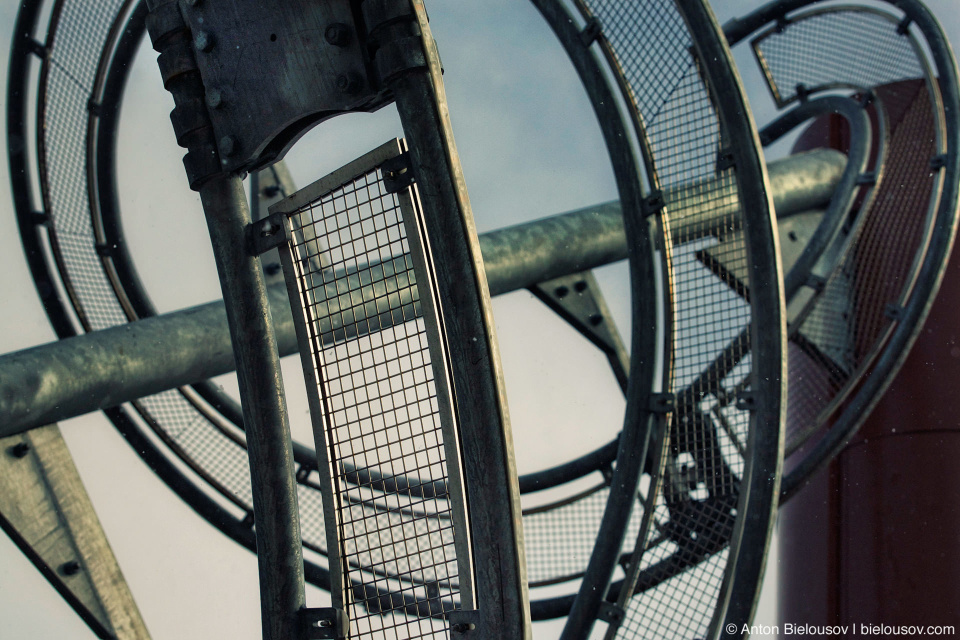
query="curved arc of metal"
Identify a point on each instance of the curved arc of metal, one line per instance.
(928, 276)
(18, 76)
(639, 422)
(892, 348)
(846, 191)
(761, 474)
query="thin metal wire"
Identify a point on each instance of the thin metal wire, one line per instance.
(380, 410)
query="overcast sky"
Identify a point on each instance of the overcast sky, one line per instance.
(530, 148)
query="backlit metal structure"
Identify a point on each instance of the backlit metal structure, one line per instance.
(694, 386)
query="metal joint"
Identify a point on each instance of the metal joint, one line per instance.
(462, 622)
(398, 57)
(591, 32)
(663, 402)
(397, 173)
(610, 613)
(266, 234)
(782, 24)
(893, 311)
(868, 177)
(41, 218)
(904, 26)
(802, 92)
(725, 160)
(248, 520)
(37, 48)
(380, 13)
(653, 204)
(867, 98)
(105, 250)
(746, 401)
(325, 623)
(817, 283)
(163, 22)
(938, 162)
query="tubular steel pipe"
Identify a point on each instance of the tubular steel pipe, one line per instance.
(41, 385)
(274, 492)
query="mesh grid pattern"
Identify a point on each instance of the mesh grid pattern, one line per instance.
(380, 410)
(71, 75)
(826, 49)
(560, 537)
(847, 327)
(707, 267)
(204, 445)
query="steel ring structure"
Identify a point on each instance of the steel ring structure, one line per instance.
(83, 70)
(701, 425)
(869, 305)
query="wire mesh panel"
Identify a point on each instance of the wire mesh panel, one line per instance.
(722, 438)
(895, 254)
(372, 349)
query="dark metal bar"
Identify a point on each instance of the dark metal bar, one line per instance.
(276, 513)
(490, 473)
(639, 422)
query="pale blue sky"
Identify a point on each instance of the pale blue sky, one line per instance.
(530, 148)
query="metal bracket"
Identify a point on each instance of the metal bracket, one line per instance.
(265, 234)
(817, 283)
(802, 92)
(397, 173)
(904, 26)
(653, 204)
(462, 623)
(591, 32)
(894, 312)
(37, 48)
(938, 162)
(324, 624)
(662, 402)
(725, 160)
(610, 613)
(746, 401)
(291, 64)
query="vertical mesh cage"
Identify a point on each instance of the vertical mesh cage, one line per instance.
(378, 386)
(701, 542)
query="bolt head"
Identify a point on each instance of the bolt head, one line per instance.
(337, 34)
(228, 145)
(203, 41)
(20, 450)
(70, 568)
(214, 98)
(350, 83)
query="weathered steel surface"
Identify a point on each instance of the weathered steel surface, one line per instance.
(40, 385)
(276, 513)
(45, 509)
(414, 77)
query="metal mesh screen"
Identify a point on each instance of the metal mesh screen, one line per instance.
(826, 50)
(560, 536)
(836, 344)
(680, 570)
(381, 411)
(208, 444)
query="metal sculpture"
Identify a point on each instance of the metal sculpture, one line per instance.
(703, 387)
